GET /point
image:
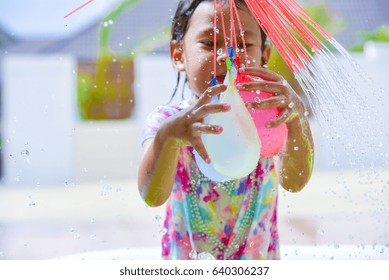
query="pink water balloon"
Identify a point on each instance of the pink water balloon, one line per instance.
(272, 139)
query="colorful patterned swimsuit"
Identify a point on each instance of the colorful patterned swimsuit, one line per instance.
(231, 220)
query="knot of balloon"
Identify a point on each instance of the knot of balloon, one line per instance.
(245, 138)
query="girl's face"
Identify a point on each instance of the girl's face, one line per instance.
(194, 55)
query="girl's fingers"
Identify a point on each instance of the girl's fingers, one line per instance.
(207, 109)
(280, 120)
(268, 86)
(263, 73)
(271, 102)
(201, 128)
(209, 93)
(199, 147)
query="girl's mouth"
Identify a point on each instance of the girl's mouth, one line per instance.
(220, 79)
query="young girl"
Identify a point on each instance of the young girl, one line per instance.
(229, 220)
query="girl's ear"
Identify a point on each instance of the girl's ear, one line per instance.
(176, 54)
(266, 54)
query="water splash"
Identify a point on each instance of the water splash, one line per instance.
(205, 256)
(347, 104)
(193, 255)
(344, 101)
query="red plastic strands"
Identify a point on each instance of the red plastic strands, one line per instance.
(241, 33)
(287, 26)
(233, 41)
(79, 8)
(224, 26)
(214, 40)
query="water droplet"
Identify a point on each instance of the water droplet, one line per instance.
(105, 24)
(296, 148)
(193, 255)
(251, 244)
(257, 91)
(157, 218)
(321, 232)
(220, 51)
(110, 21)
(106, 190)
(241, 33)
(163, 231)
(77, 236)
(205, 256)
(257, 99)
(306, 113)
(291, 105)
(71, 229)
(92, 236)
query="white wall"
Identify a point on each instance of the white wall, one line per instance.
(38, 117)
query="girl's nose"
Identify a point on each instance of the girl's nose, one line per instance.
(221, 56)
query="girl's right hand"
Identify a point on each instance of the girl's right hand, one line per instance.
(188, 125)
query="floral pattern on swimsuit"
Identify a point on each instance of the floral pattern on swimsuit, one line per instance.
(222, 220)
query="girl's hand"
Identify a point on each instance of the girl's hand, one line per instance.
(188, 125)
(284, 97)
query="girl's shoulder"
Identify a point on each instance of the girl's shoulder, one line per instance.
(169, 110)
(155, 119)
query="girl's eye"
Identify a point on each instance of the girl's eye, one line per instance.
(207, 43)
(241, 46)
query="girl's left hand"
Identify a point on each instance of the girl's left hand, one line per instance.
(285, 98)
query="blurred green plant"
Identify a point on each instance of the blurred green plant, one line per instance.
(107, 91)
(380, 34)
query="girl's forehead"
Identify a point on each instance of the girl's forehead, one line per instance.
(202, 19)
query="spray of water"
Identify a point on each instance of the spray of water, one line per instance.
(342, 96)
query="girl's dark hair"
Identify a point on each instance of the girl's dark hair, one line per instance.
(184, 12)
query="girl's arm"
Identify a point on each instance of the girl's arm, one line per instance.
(158, 167)
(159, 161)
(295, 162)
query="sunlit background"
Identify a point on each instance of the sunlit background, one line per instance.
(75, 92)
